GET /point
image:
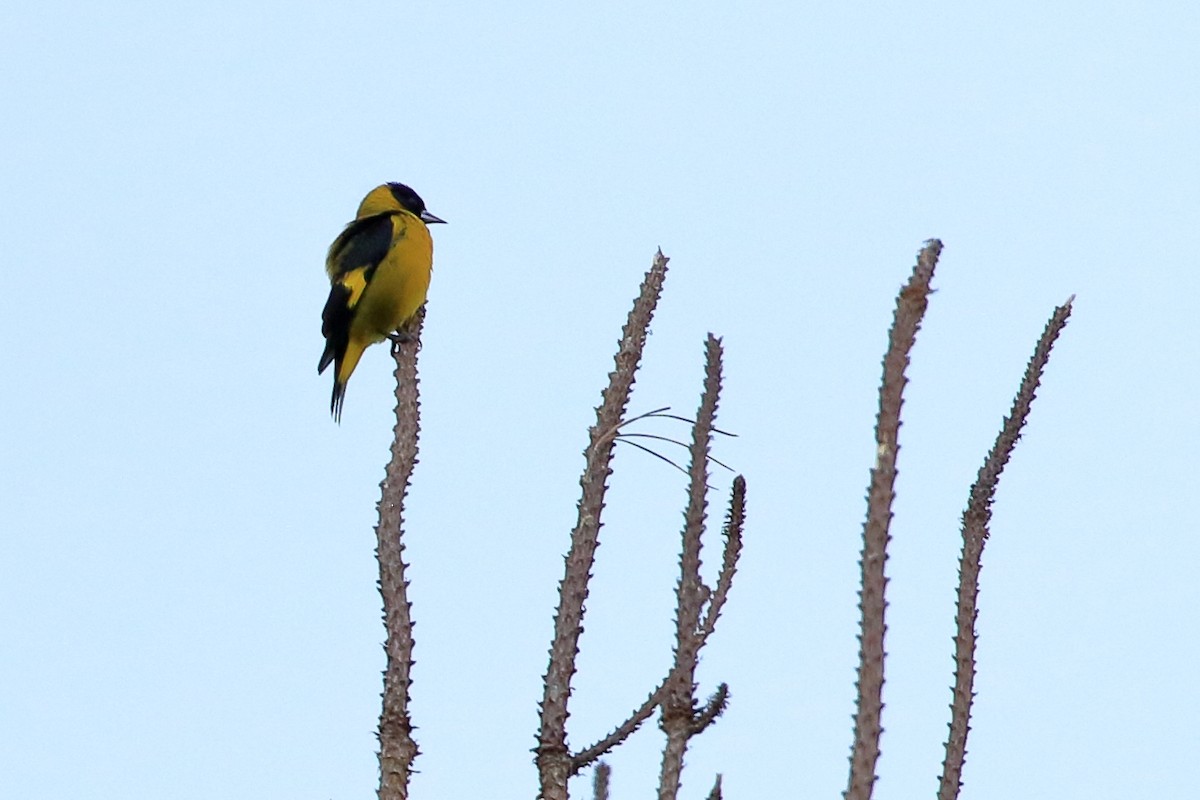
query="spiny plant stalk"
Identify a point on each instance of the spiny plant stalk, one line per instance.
(734, 523)
(600, 781)
(975, 531)
(619, 734)
(397, 749)
(910, 309)
(553, 758)
(681, 719)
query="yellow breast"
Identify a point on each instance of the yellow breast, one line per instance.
(400, 283)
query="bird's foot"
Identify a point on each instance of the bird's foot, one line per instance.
(401, 338)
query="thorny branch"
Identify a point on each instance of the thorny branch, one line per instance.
(975, 533)
(910, 309)
(552, 755)
(680, 718)
(397, 749)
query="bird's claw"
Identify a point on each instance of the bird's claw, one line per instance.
(401, 338)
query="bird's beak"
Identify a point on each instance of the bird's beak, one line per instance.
(430, 218)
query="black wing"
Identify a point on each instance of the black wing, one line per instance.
(362, 246)
(364, 243)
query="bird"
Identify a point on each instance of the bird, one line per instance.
(379, 269)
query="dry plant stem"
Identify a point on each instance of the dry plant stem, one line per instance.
(910, 308)
(678, 702)
(622, 732)
(735, 520)
(397, 750)
(600, 781)
(553, 758)
(975, 532)
(715, 794)
(714, 708)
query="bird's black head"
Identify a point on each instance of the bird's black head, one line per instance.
(411, 201)
(407, 198)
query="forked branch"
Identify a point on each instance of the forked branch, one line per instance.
(681, 718)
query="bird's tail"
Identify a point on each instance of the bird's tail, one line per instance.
(344, 365)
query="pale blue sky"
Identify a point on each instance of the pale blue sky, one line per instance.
(187, 595)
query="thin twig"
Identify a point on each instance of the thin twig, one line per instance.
(632, 435)
(657, 413)
(910, 308)
(623, 436)
(654, 412)
(553, 758)
(975, 533)
(397, 749)
(715, 794)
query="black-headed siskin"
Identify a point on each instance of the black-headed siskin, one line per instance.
(379, 270)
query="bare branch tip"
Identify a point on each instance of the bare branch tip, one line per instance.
(600, 781)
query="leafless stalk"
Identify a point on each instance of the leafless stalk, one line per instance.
(732, 532)
(397, 749)
(552, 755)
(680, 718)
(735, 520)
(600, 781)
(714, 708)
(715, 794)
(975, 533)
(619, 734)
(910, 308)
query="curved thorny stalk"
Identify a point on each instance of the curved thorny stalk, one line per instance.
(976, 523)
